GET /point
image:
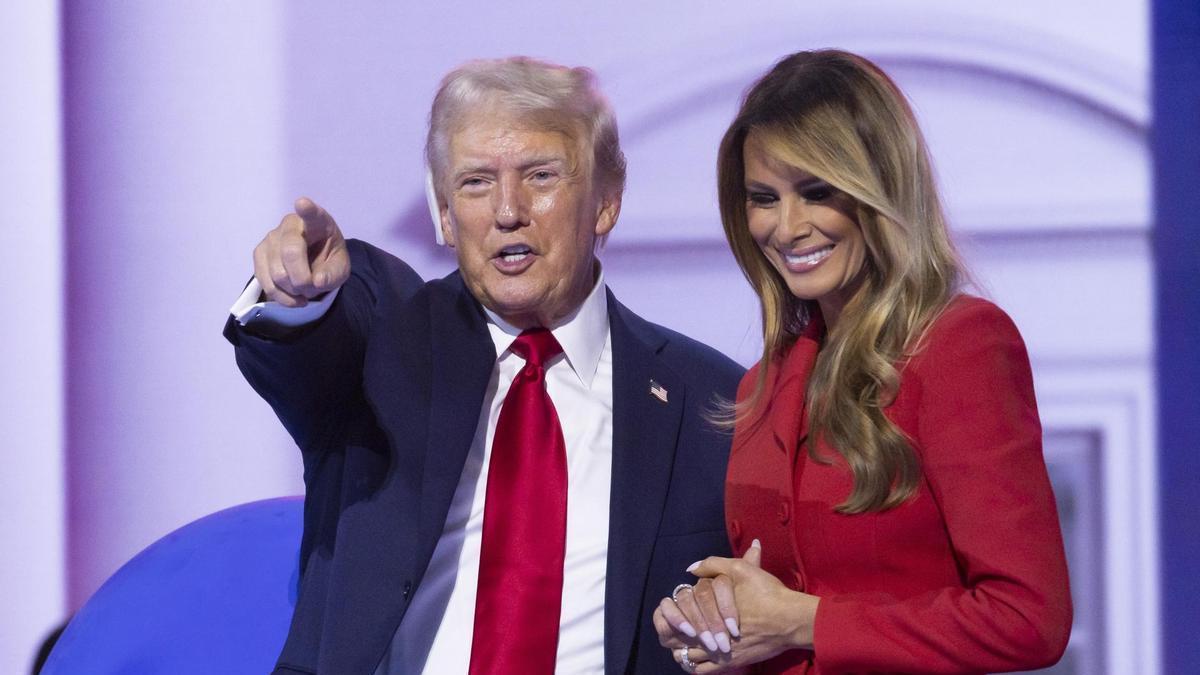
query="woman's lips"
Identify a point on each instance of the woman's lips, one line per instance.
(808, 259)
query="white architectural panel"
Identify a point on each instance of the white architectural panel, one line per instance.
(32, 531)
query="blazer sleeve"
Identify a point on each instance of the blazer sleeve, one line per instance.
(980, 446)
(312, 377)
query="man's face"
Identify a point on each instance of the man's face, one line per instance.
(523, 216)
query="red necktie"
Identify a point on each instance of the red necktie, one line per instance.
(524, 525)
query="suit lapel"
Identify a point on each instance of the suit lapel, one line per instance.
(463, 356)
(453, 356)
(645, 429)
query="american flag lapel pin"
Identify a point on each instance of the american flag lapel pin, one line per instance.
(658, 391)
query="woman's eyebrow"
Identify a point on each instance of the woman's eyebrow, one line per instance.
(753, 184)
(810, 181)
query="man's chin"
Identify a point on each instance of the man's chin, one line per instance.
(526, 301)
(521, 310)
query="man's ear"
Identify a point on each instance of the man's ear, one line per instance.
(446, 225)
(435, 209)
(607, 213)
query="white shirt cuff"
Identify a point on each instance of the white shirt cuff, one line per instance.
(249, 312)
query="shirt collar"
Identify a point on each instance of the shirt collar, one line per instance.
(582, 333)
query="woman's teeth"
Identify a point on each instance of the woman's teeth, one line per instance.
(809, 258)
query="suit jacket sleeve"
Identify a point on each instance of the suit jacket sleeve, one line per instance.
(979, 443)
(312, 377)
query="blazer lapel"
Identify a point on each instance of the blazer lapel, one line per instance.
(791, 387)
(647, 408)
(789, 394)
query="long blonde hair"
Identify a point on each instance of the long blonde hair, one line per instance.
(839, 117)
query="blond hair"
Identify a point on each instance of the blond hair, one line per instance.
(558, 97)
(839, 117)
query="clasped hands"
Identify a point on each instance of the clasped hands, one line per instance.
(735, 615)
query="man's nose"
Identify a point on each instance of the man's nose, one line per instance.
(509, 203)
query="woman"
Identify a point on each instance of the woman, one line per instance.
(887, 449)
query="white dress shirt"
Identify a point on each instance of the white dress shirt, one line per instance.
(436, 633)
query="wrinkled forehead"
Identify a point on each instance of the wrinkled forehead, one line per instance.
(497, 116)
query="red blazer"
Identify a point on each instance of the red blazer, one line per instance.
(968, 575)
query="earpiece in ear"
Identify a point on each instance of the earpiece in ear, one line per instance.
(435, 213)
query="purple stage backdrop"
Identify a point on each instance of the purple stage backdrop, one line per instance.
(150, 145)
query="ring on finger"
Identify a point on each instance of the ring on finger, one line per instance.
(688, 664)
(679, 589)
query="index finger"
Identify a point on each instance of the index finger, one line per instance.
(675, 618)
(726, 603)
(712, 566)
(318, 224)
(668, 635)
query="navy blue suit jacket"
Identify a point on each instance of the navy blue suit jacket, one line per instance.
(382, 396)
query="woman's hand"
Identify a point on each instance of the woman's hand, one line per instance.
(767, 618)
(700, 634)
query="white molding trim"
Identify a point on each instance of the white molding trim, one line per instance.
(1117, 405)
(690, 68)
(694, 71)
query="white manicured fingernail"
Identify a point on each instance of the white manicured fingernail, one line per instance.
(756, 544)
(688, 629)
(693, 566)
(723, 642)
(709, 642)
(731, 624)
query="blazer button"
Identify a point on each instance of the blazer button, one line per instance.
(785, 512)
(407, 590)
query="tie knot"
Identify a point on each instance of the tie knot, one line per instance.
(536, 346)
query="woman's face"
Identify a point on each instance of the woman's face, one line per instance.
(805, 227)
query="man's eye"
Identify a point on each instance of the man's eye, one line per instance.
(472, 182)
(542, 175)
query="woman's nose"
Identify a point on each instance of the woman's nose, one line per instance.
(794, 220)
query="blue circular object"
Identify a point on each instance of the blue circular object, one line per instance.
(214, 596)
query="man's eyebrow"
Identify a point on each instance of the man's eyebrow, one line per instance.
(477, 167)
(484, 166)
(543, 160)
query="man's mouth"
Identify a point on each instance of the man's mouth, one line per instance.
(514, 253)
(514, 258)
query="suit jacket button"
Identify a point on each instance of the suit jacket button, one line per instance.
(407, 590)
(785, 512)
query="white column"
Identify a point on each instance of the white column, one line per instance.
(174, 128)
(31, 408)
(31, 531)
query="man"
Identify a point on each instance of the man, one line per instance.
(505, 469)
